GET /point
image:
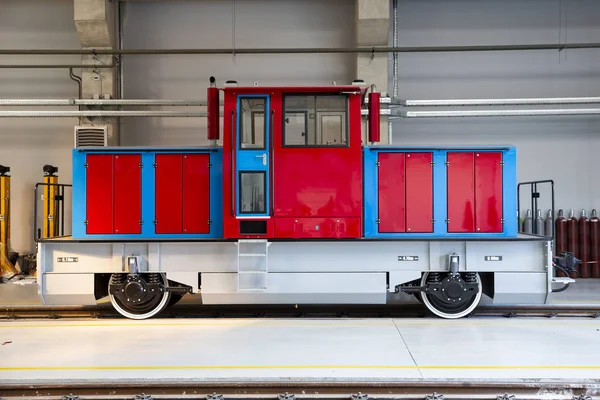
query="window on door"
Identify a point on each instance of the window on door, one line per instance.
(252, 193)
(315, 120)
(252, 123)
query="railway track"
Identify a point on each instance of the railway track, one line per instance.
(379, 390)
(199, 311)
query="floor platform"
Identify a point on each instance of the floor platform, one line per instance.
(518, 350)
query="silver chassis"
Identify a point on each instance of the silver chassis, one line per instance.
(296, 272)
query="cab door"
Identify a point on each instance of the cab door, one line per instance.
(252, 156)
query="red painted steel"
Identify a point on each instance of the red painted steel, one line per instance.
(461, 192)
(99, 194)
(595, 244)
(127, 194)
(374, 117)
(488, 192)
(419, 192)
(391, 192)
(196, 193)
(584, 246)
(212, 130)
(168, 192)
(317, 228)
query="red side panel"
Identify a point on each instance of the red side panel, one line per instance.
(196, 193)
(461, 192)
(128, 194)
(419, 192)
(169, 213)
(488, 192)
(317, 228)
(391, 193)
(99, 194)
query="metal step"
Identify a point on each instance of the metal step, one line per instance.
(252, 265)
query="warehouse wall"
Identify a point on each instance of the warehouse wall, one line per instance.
(555, 147)
(561, 148)
(27, 145)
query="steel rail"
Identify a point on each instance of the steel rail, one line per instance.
(340, 389)
(304, 50)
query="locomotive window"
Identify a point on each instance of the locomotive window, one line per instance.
(315, 121)
(252, 123)
(252, 193)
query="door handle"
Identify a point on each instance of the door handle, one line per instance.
(264, 158)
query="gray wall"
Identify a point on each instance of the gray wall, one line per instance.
(551, 147)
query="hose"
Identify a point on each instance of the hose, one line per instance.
(566, 285)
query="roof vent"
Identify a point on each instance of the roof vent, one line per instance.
(91, 136)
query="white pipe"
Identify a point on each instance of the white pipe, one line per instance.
(100, 102)
(99, 113)
(499, 113)
(497, 102)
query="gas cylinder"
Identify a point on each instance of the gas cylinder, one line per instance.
(528, 223)
(538, 223)
(549, 224)
(595, 245)
(573, 238)
(584, 245)
(561, 233)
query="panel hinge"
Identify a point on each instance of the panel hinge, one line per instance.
(432, 220)
(155, 222)
(377, 163)
(141, 165)
(502, 221)
(501, 162)
(141, 222)
(209, 165)
(377, 221)
(209, 221)
(155, 165)
(432, 163)
(447, 163)
(85, 165)
(447, 220)
(86, 222)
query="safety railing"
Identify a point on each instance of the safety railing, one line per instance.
(536, 226)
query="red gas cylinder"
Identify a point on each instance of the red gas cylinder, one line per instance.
(573, 237)
(584, 245)
(212, 96)
(595, 245)
(560, 236)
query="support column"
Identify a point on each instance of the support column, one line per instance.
(95, 23)
(372, 27)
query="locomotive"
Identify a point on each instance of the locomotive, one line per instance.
(299, 205)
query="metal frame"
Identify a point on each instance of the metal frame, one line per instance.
(148, 193)
(440, 212)
(534, 199)
(60, 228)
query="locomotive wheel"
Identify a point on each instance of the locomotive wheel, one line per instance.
(138, 296)
(458, 306)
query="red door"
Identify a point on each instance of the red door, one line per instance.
(461, 192)
(419, 192)
(168, 194)
(128, 194)
(196, 193)
(391, 192)
(99, 194)
(488, 192)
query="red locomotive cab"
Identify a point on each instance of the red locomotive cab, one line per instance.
(292, 162)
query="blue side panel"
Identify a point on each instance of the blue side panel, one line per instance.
(440, 211)
(148, 193)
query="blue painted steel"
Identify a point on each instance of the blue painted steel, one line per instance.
(251, 160)
(148, 193)
(440, 212)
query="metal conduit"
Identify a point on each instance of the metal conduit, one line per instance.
(99, 102)
(238, 51)
(54, 66)
(103, 113)
(496, 102)
(498, 113)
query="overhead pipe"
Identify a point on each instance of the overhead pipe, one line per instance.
(99, 102)
(98, 113)
(55, 66)
(305, 50)
(496, 102)
(395, 62)
(498, 113)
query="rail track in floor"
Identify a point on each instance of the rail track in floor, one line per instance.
(302, 311)
(344, 390)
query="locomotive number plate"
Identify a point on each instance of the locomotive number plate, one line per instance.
(493, 258)
(408, 258)
(67, 259)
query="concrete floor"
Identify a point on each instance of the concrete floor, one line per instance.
(566, 350)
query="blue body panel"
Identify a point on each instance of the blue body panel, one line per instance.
(509, 192)
(148, 192)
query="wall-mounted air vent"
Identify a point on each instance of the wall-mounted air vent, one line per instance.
(91, 136)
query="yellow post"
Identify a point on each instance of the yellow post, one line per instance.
(5, 265)
(50, 202)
